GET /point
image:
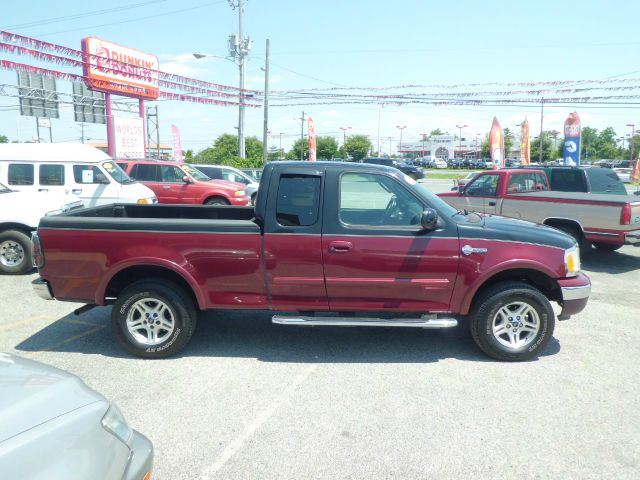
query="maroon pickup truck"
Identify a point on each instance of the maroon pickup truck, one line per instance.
(327, 244)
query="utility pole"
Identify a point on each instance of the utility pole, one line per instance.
(239, 47)
(265, 128)
(153, 126)
(302, 118)
(81, 132)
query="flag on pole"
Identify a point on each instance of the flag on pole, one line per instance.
(177, 144)
(496, 144)
(312, 140)
(572, 133)
(525, 143)
(635, 173)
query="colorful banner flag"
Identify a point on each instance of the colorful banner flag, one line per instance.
(525, 143)
(177, 144)
(496, 144)
(635, 173)
(312, 140)
(572, 133)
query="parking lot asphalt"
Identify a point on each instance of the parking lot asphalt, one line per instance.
(250, 399)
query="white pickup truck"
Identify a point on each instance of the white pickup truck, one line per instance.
(605, 221)
(20, 213)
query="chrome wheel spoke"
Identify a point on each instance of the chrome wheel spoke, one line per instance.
(516, 325)
(150, 321)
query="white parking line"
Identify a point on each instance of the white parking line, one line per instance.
(238, 442)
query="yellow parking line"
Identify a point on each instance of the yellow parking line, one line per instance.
(67, 340)
(11, 326)
(77, 322)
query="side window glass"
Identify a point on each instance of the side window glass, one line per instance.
(20, 174)
(88, 174)
(171, 174)
(483, 186)
(51, 174)
(298, 200)
(376, 200)
(145, 173)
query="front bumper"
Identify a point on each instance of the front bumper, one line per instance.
(243, 201)
(141, 459)
(575, 294)
(42, 288)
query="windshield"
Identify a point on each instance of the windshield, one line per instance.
(195, 173)
(117, 173)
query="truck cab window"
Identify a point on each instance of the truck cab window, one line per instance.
(298, 200)
(378, 200)
(483, 186)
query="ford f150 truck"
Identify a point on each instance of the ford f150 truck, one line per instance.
(607, 221)
(328, 243)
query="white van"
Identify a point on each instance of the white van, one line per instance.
(20, 213)
(70, 168)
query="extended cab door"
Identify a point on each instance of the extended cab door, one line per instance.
(292, 241)
(376, 254)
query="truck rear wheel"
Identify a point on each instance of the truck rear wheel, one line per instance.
(15, 253)
(512, 321)
(153, 319)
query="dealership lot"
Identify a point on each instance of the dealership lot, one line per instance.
(249, 399)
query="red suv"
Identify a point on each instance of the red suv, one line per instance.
(174, 182)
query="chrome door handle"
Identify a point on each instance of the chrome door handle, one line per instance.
(340, 246)
(166, 187)
(468, 250)
(76, 191)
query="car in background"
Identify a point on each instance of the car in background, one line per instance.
(410, 170)
(180, 183)
(624, 174)
(52, 426)
(437, 163)
(460, 183)
(453, 163)
(230, 174)
(257, 172)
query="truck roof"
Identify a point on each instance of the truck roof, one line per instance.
(51, 152)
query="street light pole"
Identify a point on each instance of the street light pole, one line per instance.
(424, 137)
(631, 142)
(344, 138)
(401, 128)
(265, 128)
(460, 127)
(280, 151)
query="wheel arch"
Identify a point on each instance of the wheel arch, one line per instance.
(539, 279)
(126, 275)
(21, 227)
(216, 196)
(553, 221)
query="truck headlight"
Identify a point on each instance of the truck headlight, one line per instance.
(114, 422)
(572, 261)
(239, 193)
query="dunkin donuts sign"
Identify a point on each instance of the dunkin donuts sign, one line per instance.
(112, 68)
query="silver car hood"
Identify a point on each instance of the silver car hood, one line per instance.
(32, 393)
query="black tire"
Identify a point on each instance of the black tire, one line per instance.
(606, 247)
(16, 255)
(253, 198)
(216, 201)
(532, 332)
(129, 323)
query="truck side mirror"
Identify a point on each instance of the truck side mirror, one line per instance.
(429, 219)
(186, 179)
(461, 189)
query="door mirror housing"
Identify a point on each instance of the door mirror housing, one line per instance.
(186, 179)
(429, 219)
(461, 189)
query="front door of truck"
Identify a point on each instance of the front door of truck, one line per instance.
(481, 195)
(376, 255)
(292, 241)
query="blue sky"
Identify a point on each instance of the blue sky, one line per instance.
(354, 43)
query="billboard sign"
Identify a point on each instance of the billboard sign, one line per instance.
(37, 95)
(112, 68)
(88, 106)
(129, 137)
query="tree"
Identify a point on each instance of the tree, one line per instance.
(225, 152)
(435, 132)
(508, 142)
(357, 146)
(4, 139)
(298, 145)
(547, 148)
(327, 148)
(607, 143)
(589, 143)
(188, 156)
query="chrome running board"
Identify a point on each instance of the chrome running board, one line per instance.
(422, 322)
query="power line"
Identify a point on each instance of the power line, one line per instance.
(81, 15)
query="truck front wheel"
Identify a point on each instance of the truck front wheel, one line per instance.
(153, 319)
(512, 321)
